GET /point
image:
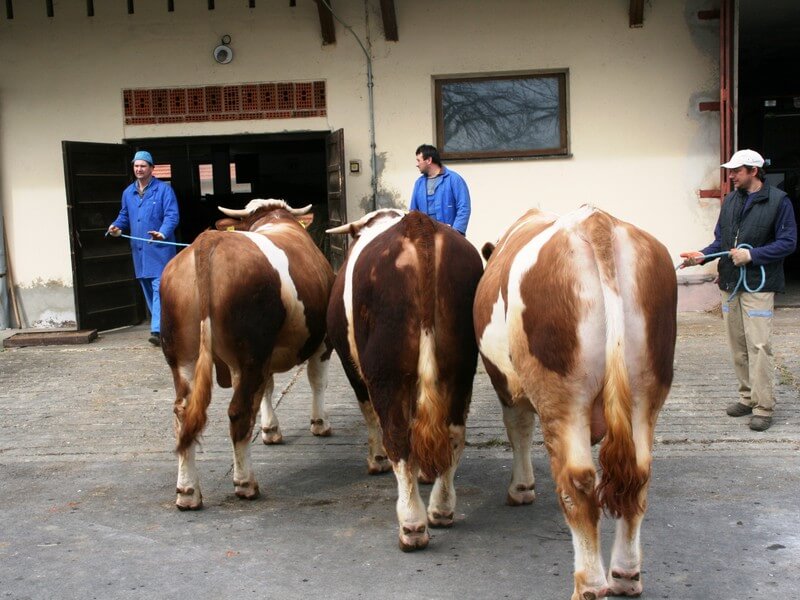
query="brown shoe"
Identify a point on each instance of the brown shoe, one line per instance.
(737, 409)
(760, 423)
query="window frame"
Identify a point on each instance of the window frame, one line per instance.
(561, 151)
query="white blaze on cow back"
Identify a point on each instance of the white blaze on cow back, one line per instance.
(295, 310)
(367, 235)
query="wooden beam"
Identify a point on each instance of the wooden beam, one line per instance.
(708, 106)
(130, 7)
(326, 22)
(9, 10)
(708, 15)
(170, 5)
(89, 8)
(637, 13)
(49, 6)
(389, 20)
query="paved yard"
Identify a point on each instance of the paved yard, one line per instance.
(87, 480)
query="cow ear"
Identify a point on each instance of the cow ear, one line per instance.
(229, 224)
(306, 220)
(487, 250)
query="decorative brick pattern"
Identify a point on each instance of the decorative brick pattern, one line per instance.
(241, 102)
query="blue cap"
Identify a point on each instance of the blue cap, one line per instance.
(143, 155)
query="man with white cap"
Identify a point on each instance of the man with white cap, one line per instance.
(149, 211)
(761, 216)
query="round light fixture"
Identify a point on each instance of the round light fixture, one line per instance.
(223, 53)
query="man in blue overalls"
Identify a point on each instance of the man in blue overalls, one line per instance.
(149, 210)
(440, 193)
(760, 216)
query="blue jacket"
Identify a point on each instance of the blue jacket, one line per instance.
(452, 196)
(156, 211)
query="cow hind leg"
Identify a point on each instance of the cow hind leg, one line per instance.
(248, 391)
(318, 379)
(377, 461)
(624, 574)
(270, 428)
(187, 488)
(575, 477)
(410, 509)
(442, 503)
(519, 420)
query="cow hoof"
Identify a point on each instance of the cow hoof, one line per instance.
(521, 495)
(414, 537)
(426, 479)
(378, 464)
(439, 519)
(320, 427)
(246, 490)
(625, 583)
(590, 594)
(271, 435)
(188, 499)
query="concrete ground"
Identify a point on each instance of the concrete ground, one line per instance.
(87, 478)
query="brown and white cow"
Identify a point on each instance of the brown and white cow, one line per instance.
(575, 321)
(250, 302)
(400, 318)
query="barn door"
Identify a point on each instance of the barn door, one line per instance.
(107, 294)
(337, 200)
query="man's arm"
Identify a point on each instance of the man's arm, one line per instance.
(785, 237)
(414, 205)
(171, 215)
(463, 207)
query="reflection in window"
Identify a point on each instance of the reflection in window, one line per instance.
(502, 116)
(236, 187)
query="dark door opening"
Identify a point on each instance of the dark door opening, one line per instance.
(769, 96)
(205, 172)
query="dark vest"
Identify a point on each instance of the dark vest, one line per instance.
(755, 227)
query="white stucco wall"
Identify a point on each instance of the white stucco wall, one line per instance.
(640, 148)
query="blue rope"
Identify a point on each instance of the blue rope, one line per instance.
(149, 240)
(742, 273)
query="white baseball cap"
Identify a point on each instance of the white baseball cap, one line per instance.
(744, 158)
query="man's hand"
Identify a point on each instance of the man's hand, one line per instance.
(115, 231)
(740, 256)
(691, 259)
(156, 235)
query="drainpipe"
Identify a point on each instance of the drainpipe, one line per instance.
(373, 159)
(5, 319)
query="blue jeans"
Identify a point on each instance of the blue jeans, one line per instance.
(153, 299)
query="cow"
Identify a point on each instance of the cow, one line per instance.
(400, 319)
(250, 301)
(575, 321)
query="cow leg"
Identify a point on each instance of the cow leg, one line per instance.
(575, 477)
(377, 461)
(248, 391)
(442, 503)
(519, 419)
(410, 509)
(187, 489)
(318, 378)
(624, 574)
(270, 428)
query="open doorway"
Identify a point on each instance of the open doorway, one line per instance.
(205, 172)
(769, 98)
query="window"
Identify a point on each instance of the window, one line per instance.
(502, 116)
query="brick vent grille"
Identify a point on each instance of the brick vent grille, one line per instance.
(246, 101)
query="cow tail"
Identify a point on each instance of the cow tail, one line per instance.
(195, 412)
(621, 479)
(430, 433)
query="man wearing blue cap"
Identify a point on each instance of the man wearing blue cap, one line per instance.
(149, 210)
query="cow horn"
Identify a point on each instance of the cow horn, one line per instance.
(340, 229)
(300, 211)
(238, 213)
